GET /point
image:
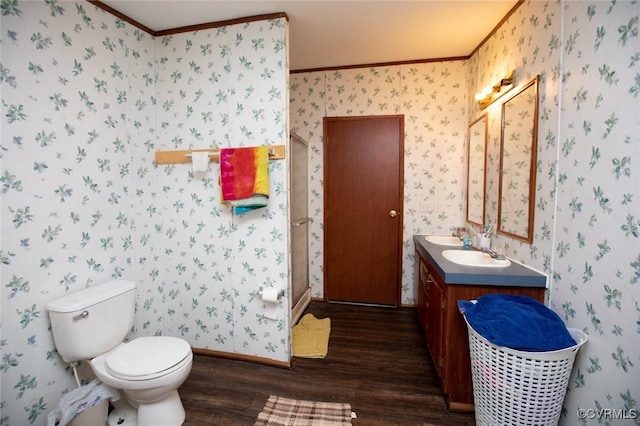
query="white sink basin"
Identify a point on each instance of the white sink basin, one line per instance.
(444, 240)
(474, 258)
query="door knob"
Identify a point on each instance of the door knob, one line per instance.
(393, 213)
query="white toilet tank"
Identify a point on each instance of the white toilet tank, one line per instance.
(92, 321)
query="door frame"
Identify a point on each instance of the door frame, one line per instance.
(398, 280)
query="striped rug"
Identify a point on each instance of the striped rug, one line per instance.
(280, 411)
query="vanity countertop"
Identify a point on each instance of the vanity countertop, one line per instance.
(514, 275)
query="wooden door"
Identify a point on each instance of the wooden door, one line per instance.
(363, 189)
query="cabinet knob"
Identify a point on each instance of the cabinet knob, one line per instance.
(393, 213)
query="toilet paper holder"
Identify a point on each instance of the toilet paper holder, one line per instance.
(280, 293)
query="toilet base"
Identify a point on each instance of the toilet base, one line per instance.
(168, 412)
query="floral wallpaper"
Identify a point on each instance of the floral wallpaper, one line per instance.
(586, 234)
(222, 88)
(596, 246)
(587, 220)
(87, 100)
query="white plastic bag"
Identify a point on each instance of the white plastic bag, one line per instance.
(80, 399)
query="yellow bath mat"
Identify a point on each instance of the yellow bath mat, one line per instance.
(311, 337)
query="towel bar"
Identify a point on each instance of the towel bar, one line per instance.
(276, 152)
(272, 152)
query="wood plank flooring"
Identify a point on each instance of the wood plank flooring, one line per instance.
(377, 361)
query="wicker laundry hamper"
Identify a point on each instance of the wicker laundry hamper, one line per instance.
(512, 387)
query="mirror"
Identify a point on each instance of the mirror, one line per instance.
(476, 167)
(518, 146)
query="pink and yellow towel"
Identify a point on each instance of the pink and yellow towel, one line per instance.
(244, 178)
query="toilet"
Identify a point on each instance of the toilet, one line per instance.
(91, 325)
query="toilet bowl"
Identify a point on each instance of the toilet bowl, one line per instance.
(149, 371)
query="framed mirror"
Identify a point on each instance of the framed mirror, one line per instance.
(476, 170)
(518, 146)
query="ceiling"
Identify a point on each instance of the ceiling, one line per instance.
(326, 34)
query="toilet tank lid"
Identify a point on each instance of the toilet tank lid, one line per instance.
(90, 296)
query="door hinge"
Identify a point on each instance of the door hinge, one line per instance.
(441, 363)
(443, 304)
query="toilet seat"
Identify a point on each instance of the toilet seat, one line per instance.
(146, 358)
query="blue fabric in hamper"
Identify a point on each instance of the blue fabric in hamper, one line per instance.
(517, 322)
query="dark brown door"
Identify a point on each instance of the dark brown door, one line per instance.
(363, 184)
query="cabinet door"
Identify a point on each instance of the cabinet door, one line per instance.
(421, 290)
(435, 322)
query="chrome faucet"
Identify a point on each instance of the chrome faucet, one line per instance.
(458, 232)
(494, 254)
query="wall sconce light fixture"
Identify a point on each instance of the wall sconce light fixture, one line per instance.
(491, 93)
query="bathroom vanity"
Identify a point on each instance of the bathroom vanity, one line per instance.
(439, 285)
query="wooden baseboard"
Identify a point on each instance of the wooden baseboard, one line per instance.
(242, 357)
(402, 305)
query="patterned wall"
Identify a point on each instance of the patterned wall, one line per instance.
(222, 88)
(587, 220)
(87, 100)
(67, 179)
(596, 243)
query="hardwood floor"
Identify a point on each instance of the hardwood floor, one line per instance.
(377, 361)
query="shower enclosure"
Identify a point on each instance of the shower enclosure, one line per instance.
(300, 291)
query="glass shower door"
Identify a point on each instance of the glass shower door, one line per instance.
(299, 220)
